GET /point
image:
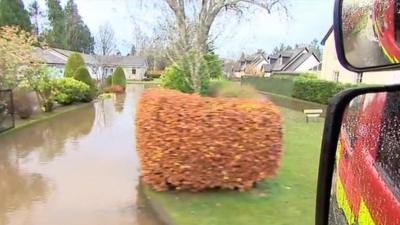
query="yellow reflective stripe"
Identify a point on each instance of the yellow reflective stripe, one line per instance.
(338, 153)
(392, 60)
(343, 203)
(364, 217)
(387, 55)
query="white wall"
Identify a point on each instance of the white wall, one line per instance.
(308, 64)
(330, 64)
(140, 71)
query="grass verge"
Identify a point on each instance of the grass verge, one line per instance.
(287, 199)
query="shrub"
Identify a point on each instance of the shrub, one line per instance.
(82, 74)
(173, 139)
(172, 78)
(118, 77)
(315, 90)
(281, 86)
(69, 90)
(228, 89)
(109, 80)
(155, 74)
(214, 65)
(74, 61)
(235, 90)
(23, 102)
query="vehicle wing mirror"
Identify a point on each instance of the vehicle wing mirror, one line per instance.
(367, 34)
(359, 176)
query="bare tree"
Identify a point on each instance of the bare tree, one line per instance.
(105, 41)
(194, 30)
(188, 24)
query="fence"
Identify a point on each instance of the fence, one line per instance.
(282, 86)
(7, 119)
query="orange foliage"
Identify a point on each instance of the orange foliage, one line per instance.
(188, 142)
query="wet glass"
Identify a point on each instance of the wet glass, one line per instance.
(366, 181)
(370, 31)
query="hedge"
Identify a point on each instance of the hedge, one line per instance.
(282, 86)
(118, 77)
(188, 142)
(82, 74)
(74, 61)
(315, 90)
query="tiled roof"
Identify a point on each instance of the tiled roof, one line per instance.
(110, 60)
(45, 55)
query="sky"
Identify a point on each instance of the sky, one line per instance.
(308, 20)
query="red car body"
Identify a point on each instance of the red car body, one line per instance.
(362, 192)
(385, 17)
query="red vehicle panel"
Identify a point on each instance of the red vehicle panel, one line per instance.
(359, 173)
(386, 22)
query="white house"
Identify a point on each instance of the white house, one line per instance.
(296, 60)
(99, 66)
(332, 69)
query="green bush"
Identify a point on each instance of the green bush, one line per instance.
(109, 80)
(74, 62)
(281, 86)
(173, 78)
(215, 86)
(69, 90)
(214, 65)
(155, 74)
(315, 90)
(180, 75)
(82, 74)
(118, 77)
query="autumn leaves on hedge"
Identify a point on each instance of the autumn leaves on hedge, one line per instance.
(188, 142)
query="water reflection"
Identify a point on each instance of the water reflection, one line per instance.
(78, 168)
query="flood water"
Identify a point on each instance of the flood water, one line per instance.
(78, 168)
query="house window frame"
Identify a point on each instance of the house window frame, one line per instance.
(336, 75)
(134, 71)
(359, 78)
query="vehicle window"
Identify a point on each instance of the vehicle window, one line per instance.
(388, 154)
(382, 6)
(351, 120)
(397, 21)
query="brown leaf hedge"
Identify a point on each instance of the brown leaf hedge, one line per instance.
(189, 142)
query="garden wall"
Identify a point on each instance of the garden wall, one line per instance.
(188, 142)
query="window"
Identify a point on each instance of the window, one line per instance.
(111, 70)
(388, 152)
(397, 21)
(350, 120)
(133, 71)
(336, 76)
(382, 7)
(359, 78)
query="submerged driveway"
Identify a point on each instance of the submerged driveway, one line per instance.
(78, 168)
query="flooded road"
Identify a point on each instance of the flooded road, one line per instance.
(78, 168)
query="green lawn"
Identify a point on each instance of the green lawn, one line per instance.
(288, 199)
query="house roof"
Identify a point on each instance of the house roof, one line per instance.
(296, 63)
(117, 60)
(44, 55)
(296, 57)
(109, 60)
(327, 36)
